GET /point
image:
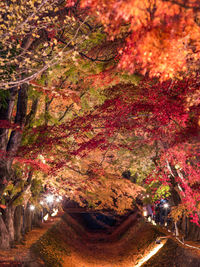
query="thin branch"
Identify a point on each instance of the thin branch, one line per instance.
(96, 59)
(55, 60)
(67, 109)
(73, 169)
(104, 156)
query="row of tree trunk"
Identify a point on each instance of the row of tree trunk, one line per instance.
(15, 222)
(190, 230)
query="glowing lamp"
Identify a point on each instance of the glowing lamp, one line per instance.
(166, 205)
(55, 211)
(50, 198)
(32, 207)
(46, 217)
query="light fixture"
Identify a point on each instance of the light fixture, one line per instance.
(46, 217)
(149, 219)
(32, 207)
(42, 159)
(55, 211)
(50, 198)
(166, 205)
(156, 248)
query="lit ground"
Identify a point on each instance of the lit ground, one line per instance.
(73, 246)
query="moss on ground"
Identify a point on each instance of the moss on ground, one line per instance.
(51, 247)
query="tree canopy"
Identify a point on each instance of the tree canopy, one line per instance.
(163, 39)
(91, 89)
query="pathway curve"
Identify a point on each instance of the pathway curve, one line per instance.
(21, 255)
(127, 244)
(126, 247)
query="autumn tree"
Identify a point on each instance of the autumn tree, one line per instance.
(156, 115)
(36, 36)
(163, 38)
(66, 100)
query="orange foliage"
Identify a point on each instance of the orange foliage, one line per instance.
(164, 37)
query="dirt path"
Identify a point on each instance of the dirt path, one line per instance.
(122, 248)
(125, 247)
(21, 253)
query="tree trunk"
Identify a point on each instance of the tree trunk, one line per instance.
(5, 114)
(9, 222)
(7, 227)
(4, 235)
(9, 145)
(28, 219)
(193, 231)
(36, 219)
(18, 222)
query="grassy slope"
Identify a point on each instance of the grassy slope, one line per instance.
(51, 247)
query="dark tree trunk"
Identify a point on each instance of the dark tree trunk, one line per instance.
(28, 219)
(192, 231)
(4, 235)
(36, 219)
(20, 119)
(18, 223)
(9, 221)
(5, 114)
(9, 145)
(7, 228)
(189, 229)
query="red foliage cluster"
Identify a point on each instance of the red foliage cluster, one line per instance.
(5, 124)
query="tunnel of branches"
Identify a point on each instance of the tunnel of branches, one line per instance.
(100, 120)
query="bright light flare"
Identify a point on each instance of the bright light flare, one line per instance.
(32, 207)
(46, 217)
(149, 219)
(41, 202)
(50, 199)
(145, 213)
(55, 212)
(166, 205)
(42, 159)
(151, 253)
